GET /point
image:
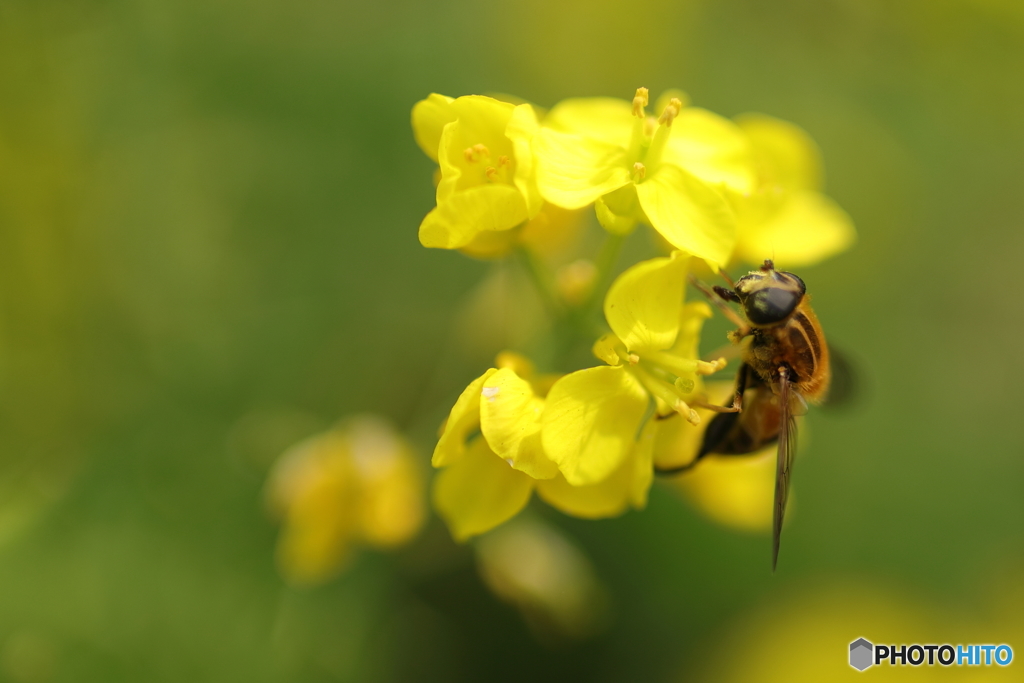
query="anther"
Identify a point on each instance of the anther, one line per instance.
(640, 101)
(639, 171)
(470, 154)
(688, 413)
(492, 173)
(706, 368)
(633, 359)
(483, 151)
(671, 111)
(504, 160)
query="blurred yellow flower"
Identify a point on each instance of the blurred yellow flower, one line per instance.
(786, 217)
(826, 616)
(356, 484)
(553, 584)
(486, 186)
(492, 457)
(594, 419)
(667, 171)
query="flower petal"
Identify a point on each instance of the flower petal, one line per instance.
(607, 349)
(590, 422)
(643, 465)
(573, 171)
(712, 148)
(317, 489)
(785, 154)
(463, 419)
(618, 211)
(642, 305)
(691, 322)
(807, 228)
(553, 230)
(479, 131)
(608, 498)
(479, 492)
(521, 129)
(606, 119)
(676, 440)
(391, 509)
(459, 219)
(429, 118)
(733, 491)
(510, 421)
(688, 213)
(626, 486)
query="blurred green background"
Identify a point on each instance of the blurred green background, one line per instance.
(208, 216)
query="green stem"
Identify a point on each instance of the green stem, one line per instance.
(542, 282)
(605, 264)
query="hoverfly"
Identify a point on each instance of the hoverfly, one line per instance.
(785, 365)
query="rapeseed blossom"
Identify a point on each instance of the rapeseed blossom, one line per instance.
(486, 185)
(493, 460)
(593, 418)
(550, 581)
(584, 441)
(515, 177)
(358, 484)
(670, 171)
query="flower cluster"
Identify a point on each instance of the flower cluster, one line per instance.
(516, 179)
(715, 191)
(584, 441)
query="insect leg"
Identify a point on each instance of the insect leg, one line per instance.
(720, 427)
(743, 329)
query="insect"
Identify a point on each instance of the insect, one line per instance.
(785, 365)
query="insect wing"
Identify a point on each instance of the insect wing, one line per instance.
(784, 462)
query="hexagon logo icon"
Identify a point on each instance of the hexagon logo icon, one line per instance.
(860, 654)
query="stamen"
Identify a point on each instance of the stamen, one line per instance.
(688, 413)
(640, 101)
(650, 125)
(482, 150)
(492, 173)
(675, 105)
(639, 171)
(706, 368)
(677, 365)
(609, 349)
(666, 392)
(625, 356)
(470, 154)
(504, 160)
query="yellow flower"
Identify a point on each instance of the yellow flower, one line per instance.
(486, 186)
(356, 484)
(786, 217)
(553, 584)
(593, 423)
(667, 171)
(493, 460)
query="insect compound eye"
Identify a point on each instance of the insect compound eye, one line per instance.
(795, 280)
(771, 305)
